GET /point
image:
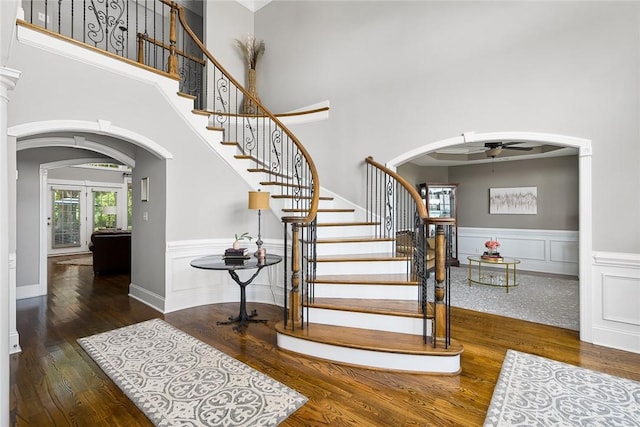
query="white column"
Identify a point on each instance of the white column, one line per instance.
(8, 80)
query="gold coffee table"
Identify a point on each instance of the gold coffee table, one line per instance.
(490, 278)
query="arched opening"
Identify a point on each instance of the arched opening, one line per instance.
(90, 142)
(585, 196)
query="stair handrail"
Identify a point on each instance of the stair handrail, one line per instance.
(441, 331)
(313, 208)
(422, 209)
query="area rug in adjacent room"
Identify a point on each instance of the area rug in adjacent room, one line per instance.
(549, 300)
(535, 391)
(85, 260)
(176, 379)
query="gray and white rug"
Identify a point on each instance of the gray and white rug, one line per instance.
(540, 299)
(84, 260)
(177, 380)
(535, 391)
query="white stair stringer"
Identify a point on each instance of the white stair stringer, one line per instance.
(372, 321)
(405, 362)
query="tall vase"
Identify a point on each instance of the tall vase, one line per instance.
(250, 107)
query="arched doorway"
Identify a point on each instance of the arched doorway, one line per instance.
(585, 198)
(92, 137)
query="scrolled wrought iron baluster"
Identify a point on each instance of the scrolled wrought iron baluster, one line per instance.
(276, 140)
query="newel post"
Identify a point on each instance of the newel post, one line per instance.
(295, 319)
(172, 66)
(440, 308)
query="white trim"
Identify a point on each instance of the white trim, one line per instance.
(28, 291)
(147, 297)
(14, 337)
(372, 359)
(99, 127)
(190, 287)
(548, 251)
(616, 288)
(585, 200)
(77, 142)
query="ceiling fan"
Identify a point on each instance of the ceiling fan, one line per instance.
(493, 149)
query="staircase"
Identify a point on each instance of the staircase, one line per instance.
(354, 297)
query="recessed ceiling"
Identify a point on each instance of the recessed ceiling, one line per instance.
(486, 152)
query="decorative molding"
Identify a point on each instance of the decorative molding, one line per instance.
(616, 289)
(143, 295)
(549, 251)
(190, 287)
(51, 126)
(76, 142)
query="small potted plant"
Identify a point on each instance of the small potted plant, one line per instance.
(239, 237)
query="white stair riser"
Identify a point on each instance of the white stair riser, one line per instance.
(372, 359)
(354, 248)
(342, 231)
(369, 267)
(335, 216)
(375, 322)
(393, 292)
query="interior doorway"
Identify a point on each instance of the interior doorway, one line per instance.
(77, 210)
(585, 200)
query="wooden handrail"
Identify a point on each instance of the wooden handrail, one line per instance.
(313, 208)
(167, 47)
(422, 209)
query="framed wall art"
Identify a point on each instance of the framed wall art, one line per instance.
(513, 200)
(144, 189)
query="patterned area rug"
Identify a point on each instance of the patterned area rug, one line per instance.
(540, 299)
(176, 379)
(534, 391)
(85, 260)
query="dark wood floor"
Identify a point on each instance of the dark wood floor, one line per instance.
(55, 383)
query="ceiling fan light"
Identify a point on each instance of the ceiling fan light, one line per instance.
(493, 152)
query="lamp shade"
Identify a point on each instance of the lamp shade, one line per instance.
(259, 200)
(109, 210)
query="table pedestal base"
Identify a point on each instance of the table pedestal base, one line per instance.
(243, 319)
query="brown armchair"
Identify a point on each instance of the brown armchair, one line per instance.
(111, 251)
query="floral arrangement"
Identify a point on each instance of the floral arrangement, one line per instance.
(492, 245)
(252, 49)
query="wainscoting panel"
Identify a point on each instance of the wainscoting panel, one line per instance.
(616, 300)
(547, 251)
(187, 286)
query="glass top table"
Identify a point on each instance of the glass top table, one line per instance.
(218, 262)
(491, 277)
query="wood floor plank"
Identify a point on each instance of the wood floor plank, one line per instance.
(55, 383)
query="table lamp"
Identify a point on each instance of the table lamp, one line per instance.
(109, 212)
(259, 200)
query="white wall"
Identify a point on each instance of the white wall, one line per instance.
(400, 75)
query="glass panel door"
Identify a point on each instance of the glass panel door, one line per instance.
(66, 219)
(105, 209)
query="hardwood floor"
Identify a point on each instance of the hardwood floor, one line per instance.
(55, 383)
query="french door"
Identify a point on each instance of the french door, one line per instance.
(75, 211)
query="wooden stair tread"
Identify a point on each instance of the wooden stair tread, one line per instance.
(284, 184)
(201, 112)
(217, 129)
(353, 240)
(365, 279)
(366, 339)
(267, 171)
(187, 95)
(325, 210)
(346, 224)
(291, 196)
(404, 308)
(384, 256)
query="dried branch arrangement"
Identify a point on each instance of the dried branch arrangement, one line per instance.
(252, 49)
